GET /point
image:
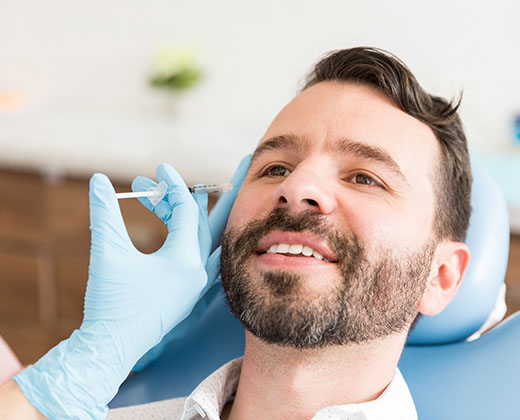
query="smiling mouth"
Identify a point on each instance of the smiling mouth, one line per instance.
(294, 250)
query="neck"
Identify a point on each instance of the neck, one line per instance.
(280, 383)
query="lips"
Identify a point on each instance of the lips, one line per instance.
(295, 244)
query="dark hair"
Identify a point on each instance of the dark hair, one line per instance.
(385, 72)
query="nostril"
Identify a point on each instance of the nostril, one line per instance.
(312, 202)
(283, 199)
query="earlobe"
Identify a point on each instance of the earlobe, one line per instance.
(448, 269)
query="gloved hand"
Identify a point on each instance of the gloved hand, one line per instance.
(132, 300)
(217, 223)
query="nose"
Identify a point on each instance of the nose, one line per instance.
(306, 188)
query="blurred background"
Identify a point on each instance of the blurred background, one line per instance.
(119, 87)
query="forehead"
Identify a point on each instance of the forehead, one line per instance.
(329, 112)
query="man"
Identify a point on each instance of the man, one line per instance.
(350, 222)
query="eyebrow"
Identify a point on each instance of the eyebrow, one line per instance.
(284, 142)
(343, 146)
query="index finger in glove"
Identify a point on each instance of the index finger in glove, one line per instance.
(183, 223)
(220, 213)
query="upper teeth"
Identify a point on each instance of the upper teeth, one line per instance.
(295, 249)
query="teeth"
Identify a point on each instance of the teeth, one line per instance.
(283, 248)
(317, 255)
(307, 251)
(295, 249)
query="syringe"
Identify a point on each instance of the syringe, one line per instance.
(156, 194)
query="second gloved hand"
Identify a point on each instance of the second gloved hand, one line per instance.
(209, 240)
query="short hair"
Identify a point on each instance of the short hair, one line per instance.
(385, 72)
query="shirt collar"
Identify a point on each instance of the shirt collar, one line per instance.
(395, 403)
(212, 394)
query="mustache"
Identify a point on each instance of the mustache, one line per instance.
(245, 242)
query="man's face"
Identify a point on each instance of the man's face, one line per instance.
(346, 179)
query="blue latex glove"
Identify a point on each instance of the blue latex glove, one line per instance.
(217, 223)
(132, 301)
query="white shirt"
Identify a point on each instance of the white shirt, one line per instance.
(209, 398)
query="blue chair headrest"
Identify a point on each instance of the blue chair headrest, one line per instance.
(488, 241)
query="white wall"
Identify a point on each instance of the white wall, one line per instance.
(86, 62)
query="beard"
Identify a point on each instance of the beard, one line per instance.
(371, 297)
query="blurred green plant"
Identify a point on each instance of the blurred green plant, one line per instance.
(176, 69)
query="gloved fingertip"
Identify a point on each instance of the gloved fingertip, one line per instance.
(142, 183)
(165, 169)
(98, 179)
(246, 160)
(202, 201)
(100, 186)
(170, 175)
(242, 169)
(164, 165)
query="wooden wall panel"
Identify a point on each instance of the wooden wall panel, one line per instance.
(18, 287)
(22, 208)
(68, 216)
(71, 279)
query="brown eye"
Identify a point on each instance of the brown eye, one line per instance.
(277, 171)
(363, 179)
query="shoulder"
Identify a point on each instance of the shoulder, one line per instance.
(160, 410)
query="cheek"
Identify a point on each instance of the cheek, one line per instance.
(370, 223)
(387, 226)
(249, 205)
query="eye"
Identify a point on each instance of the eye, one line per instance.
(276, 170)
(363, 179)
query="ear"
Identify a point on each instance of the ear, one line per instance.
(449, 266)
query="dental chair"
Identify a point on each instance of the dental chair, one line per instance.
(453, 371)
